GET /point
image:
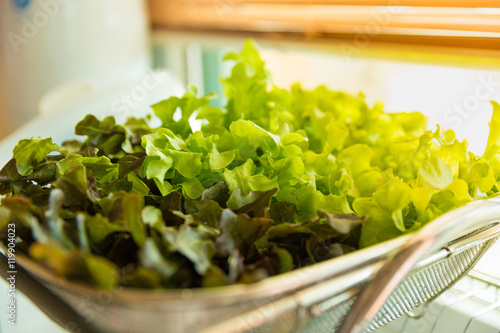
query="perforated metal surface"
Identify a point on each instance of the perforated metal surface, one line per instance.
(426, 284)
(331, 320)
(415, 289)
(110, 316)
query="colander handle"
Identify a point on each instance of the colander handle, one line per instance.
(430, 238)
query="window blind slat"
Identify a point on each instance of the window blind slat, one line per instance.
(406, 3)
(462, 27)
(270, 17)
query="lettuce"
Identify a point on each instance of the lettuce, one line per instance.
(275, 180)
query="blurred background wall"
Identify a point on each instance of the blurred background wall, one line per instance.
(53, 51)
(4, 128)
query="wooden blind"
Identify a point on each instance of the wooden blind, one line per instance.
(410, 3)
(466, 24)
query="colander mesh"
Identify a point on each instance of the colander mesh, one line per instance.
(415, 289)
(331, 320)
(425, 284)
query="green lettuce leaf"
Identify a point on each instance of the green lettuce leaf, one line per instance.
(104, 135)
(28, 153)
(239, 232)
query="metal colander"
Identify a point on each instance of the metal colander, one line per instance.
(358, 292)
(416, 289)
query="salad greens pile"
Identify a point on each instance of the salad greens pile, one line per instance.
(276, 180)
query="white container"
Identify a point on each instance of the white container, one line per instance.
(45, 43)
